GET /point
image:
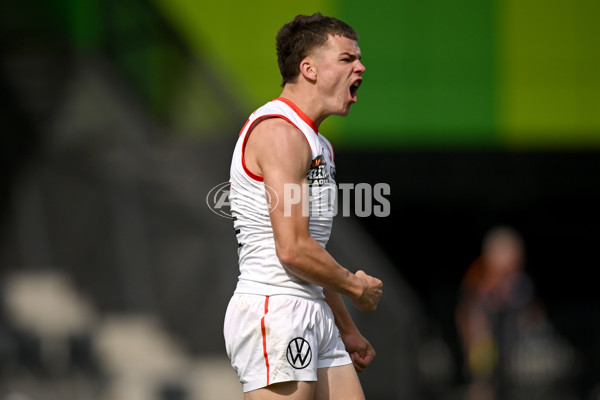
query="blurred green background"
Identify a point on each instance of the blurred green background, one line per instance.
(470, 74)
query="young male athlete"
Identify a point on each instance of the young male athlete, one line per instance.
(287, 331)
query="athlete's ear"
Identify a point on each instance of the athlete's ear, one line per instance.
(308, 69)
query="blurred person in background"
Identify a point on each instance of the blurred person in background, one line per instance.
(287, 331)
(496, 308)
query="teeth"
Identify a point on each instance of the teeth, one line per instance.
(354, 88)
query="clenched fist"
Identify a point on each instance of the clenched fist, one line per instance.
(371, 292)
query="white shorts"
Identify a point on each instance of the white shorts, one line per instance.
(271, 339)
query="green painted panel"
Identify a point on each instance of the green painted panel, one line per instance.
(238, 39)
(430, 73)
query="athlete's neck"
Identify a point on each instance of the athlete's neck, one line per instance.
(305, 102)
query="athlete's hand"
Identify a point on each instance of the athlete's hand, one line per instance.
(360, 350)
(371, 293)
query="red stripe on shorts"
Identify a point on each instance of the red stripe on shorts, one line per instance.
(264, 336)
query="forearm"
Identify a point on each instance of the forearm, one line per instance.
(309, 261)
(343, 320)
(360, 350)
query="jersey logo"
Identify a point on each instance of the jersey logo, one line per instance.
(316, 162)
(318, 174)
(299, 353)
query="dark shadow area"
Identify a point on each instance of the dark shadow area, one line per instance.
(442, 203)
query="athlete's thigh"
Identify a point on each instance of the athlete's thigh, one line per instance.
(338, 383)
(293, 390)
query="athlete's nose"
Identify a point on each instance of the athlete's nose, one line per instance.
(360, 67)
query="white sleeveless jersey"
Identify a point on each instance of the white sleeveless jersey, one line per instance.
(261, 272)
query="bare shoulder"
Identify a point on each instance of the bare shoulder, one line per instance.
(279, 139)
(277, 130)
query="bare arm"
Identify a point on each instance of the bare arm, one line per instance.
(279, 153)
(360, 350)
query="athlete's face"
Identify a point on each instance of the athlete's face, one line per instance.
(339, 71)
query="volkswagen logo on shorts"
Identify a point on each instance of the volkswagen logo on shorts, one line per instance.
(299, 354)
(218, 201)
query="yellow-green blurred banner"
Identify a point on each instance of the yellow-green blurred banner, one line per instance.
(516, 74)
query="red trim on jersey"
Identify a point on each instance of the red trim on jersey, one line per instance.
(256, 121)
(301, 114)
(248, 172)
(264, 336)
(332, 151)
(244, 127)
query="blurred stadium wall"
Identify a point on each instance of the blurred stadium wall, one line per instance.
(493, 74)
(500, 74)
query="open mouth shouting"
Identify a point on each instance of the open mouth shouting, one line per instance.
(354, 89)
